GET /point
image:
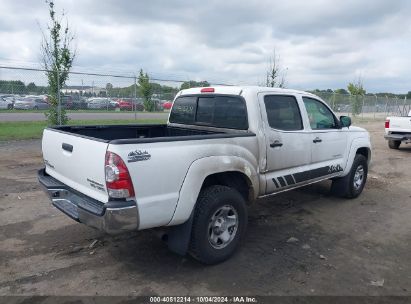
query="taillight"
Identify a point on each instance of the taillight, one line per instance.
(118, 180)
(387, 124)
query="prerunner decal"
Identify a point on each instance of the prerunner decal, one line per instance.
(95, 184)
(282, 181)
(291, 179)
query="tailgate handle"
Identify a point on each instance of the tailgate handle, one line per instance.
(67, 147)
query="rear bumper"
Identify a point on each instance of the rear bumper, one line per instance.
(112, 217)
(398, 136)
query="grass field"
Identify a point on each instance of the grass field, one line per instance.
(18, 130)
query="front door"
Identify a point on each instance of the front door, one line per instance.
(328, 140)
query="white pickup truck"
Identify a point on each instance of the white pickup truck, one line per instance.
(397, 130)
(221, 149)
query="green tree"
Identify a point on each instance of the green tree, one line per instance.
(32, 88)
(341, 91)
(57, 53)
(12, 87)
(193, 84)
(357, 92)
(146, 90)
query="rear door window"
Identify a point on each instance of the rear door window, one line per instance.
(283, 112)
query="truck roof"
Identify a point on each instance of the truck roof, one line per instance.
(238, 90)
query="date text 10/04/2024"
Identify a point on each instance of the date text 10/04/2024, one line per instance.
(205, 299)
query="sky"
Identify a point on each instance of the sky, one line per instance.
(320, 44)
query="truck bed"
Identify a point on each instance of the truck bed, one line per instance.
(126, 134)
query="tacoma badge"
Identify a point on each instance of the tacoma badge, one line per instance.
(138, 155)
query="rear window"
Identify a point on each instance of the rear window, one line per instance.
(215, 111)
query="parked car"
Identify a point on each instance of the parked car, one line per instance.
(398, 130)
(31, 103)
(221, 150)
(130, 104)
(101, 103)
(158, 104)
(67, 102)
(10, 97)
(167, 105)
(6, 103)
(79, 103)
(125, 104)
(138, 106)
(113, 104)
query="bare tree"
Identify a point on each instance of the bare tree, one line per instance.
(275, 75)
(57, 55)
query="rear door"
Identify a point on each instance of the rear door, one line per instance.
(287, 143)
(76, 161)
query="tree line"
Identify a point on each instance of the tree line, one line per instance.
(165, 92)
(19, 87)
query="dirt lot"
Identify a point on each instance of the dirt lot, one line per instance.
(344, 247)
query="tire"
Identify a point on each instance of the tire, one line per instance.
(351, 185)
(36, 108)
(220, 223)
(394, 144)
(9, 107)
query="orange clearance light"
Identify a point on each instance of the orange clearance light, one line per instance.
(207, 90)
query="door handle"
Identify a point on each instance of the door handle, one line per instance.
(67, 147)
(317, 140)
(276, 143)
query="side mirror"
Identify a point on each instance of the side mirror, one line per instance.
(345, 121)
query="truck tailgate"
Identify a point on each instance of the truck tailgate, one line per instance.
(400, 124)
(76, 161)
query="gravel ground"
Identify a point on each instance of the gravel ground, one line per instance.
(337, 246)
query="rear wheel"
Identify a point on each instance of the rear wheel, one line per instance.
(36, 108)
(394, 144)
(9, 107)
(220, 222)
(351, 185)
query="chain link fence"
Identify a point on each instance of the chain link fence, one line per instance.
(26, 89)
(367, 106)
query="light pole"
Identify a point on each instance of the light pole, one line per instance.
(135, 98)
(58, 94)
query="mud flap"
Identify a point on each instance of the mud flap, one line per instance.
(178, 237)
